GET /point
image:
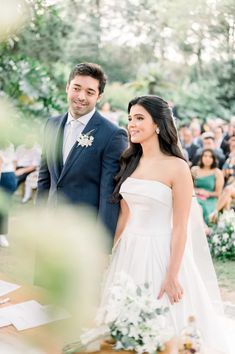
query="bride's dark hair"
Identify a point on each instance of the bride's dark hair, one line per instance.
(168, 138)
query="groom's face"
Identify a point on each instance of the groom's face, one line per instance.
(82, 95)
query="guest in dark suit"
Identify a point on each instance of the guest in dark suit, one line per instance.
(82, 149)
(188, 144)
(225, 145)
(209, 143)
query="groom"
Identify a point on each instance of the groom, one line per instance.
(82, 149)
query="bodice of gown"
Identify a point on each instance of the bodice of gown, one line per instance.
(150, 206)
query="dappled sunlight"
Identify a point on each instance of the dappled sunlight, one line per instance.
(14, 15)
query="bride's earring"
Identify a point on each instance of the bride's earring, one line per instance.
(157, 130)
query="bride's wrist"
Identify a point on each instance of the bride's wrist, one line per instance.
(171, 275)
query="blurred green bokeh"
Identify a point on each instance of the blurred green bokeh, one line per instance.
(183, 51)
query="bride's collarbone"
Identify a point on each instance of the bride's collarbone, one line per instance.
(157, 159)
(157, 177)
(153, 171)
(161, 170)
(157, 164)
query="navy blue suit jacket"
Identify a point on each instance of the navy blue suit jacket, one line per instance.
(87, 177)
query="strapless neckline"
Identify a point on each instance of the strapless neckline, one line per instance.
(151, 181)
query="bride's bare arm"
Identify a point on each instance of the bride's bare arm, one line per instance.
(182, 188)
(122, 220)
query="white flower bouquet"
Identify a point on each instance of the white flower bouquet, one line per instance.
(133, 319)
(222, 238)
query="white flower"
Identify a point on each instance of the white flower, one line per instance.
(133, 317)
(221, 224)
(133, 332)
(118, 345)
(232, 236)
(85, 140)
(216, 239)
(225, 236)
(222, 240)
(149, 345)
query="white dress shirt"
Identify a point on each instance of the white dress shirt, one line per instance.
(28, 156)
(8, 159)
(73, 128)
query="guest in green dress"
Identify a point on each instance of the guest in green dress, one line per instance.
(228, 194)
(208, 182)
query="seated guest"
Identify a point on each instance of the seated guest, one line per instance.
(208, 182)
(208, 141)
(31, 184)
(228, 193)
(27, 161)
(229, 165)
(219, 136)
(8, 186)
(196, 129)
(188, 144)
(227, 136)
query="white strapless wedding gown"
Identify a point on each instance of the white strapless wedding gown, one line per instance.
(143, 253)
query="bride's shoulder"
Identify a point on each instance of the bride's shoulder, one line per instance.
(179, 170)
(178, 163)
(175, 165)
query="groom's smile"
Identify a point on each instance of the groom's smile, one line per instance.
(79, 104)
(82, 95)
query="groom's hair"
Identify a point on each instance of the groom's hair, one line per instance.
(89, 69)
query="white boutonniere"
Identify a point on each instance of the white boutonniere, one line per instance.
(85, 140)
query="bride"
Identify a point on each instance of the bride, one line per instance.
(159, 236)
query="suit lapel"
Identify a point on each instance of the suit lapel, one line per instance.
(76, 150)
(58, 148)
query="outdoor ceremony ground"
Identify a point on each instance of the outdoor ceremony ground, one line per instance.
(10, 263)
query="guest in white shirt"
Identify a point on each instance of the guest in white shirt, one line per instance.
(8, 185)
(28, 159)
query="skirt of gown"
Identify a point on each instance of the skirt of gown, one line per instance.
(143, 253)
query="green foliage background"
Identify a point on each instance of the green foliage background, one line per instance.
(183, 51)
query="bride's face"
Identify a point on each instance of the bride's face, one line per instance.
(141, 126)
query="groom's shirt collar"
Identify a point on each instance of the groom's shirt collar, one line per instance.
(83, 119)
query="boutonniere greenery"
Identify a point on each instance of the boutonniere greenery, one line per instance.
(85, 140)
